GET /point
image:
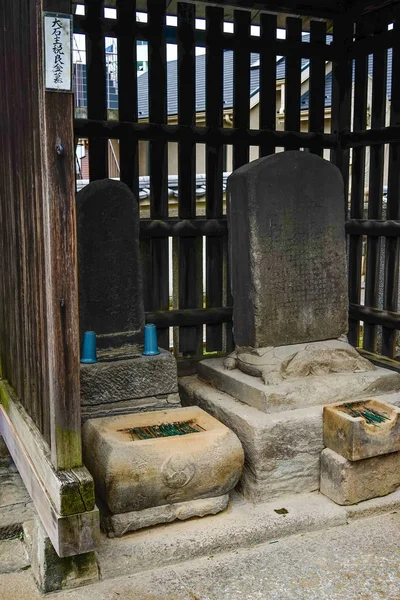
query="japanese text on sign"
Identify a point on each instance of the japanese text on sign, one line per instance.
(57, 41)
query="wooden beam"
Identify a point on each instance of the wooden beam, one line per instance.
(374, 227)
(375, 316)
(189, 316)
(370, 137)
(71, 534)
(69, 491)
(253, 43)
(202, 135)
(323, 9)
(360, 7)
(380, 361)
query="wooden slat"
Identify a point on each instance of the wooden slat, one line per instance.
(357, 190)
(214, 170)
(186, 109)
(392, 244)
(158, 158)
(214, 100)
(241, 85)
(127, 91)
(293, 80)
(378, 113)
(96, 86)
(190, 338)
(267, 104)
(341, 95)
(317, 83)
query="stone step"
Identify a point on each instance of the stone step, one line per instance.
(13, 556)
(16, 506)
(299, 393)
(242, 525)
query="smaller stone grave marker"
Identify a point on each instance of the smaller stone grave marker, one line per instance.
(110, 277)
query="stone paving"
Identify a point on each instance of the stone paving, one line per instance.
(16, 506)
(349, 562)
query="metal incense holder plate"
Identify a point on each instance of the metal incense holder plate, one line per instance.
(362, 429)
(164, 430)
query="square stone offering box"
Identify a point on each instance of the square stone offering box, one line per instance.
(355, 439)
(138, 475)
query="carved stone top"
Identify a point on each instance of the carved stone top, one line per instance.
(275, 365)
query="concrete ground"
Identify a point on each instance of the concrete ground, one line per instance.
(360, 560)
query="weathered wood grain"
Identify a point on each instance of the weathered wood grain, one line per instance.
(69, 491)
(71, 534)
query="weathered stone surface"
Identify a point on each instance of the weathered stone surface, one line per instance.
(125, 379)
(15, 504)
(282, 450)
(13, 556)
(110, 279)
(275, 365)
(53, 573)
(374, 507)
(135, 405)
(242, 525)
(355, 439)
(350, 482)
(118, 525)
(135, 475)
(281, 379)
(287, 250)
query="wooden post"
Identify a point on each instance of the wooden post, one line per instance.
(61, 270)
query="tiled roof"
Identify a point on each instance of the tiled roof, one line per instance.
(144, 185)
(305, 99)
(200, 79)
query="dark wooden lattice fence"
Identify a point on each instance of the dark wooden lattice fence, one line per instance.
(373, 225)
(191, 308)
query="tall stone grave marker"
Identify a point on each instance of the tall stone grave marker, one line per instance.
(110, 278)
(287, 250)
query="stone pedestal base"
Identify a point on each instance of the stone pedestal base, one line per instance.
(124, 380)
(118, 525)
(350, 482)
(282, 449)
(297, 376)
